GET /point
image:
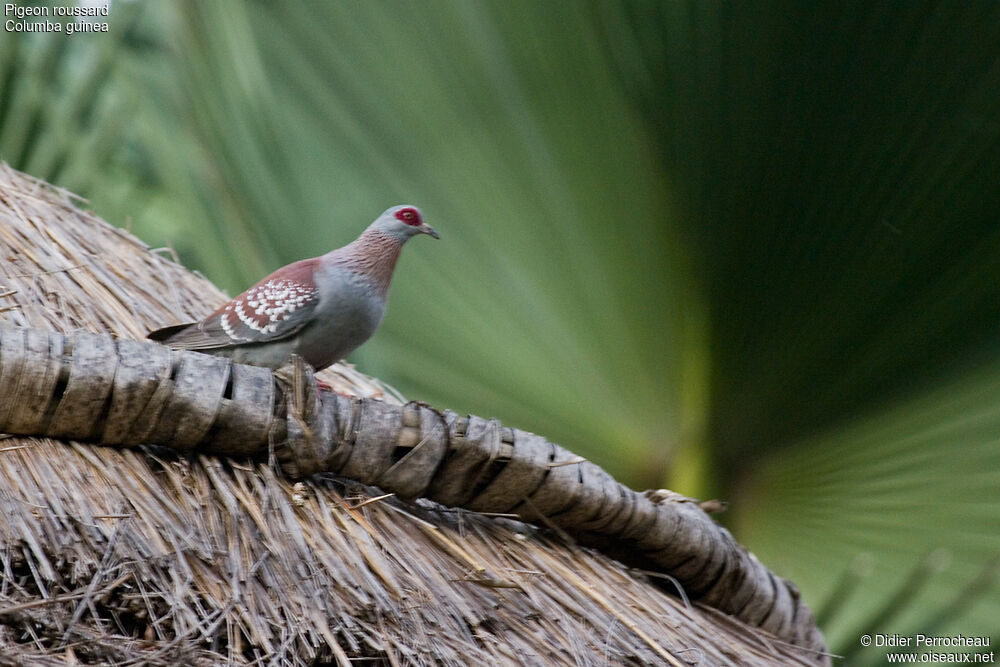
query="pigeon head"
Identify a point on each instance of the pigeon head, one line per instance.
(402, 223)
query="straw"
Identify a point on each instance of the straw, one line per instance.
(146, 557)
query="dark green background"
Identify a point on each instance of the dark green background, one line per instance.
(747, 250)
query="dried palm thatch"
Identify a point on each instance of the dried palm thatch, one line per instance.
(128, 556)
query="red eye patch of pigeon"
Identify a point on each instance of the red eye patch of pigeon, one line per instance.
(263, 306)
(409, 215)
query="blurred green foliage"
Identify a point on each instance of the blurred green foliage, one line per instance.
(746, 249)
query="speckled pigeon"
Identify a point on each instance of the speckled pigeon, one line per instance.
(321, 308)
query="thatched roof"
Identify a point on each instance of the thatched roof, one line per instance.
(138, 556)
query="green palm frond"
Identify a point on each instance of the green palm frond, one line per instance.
(919, 478)
(60, 106)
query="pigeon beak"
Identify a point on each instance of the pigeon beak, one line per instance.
(427, 229)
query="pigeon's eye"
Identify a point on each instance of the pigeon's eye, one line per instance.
(409, 216)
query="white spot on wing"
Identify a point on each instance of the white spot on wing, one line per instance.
(228, 328)
(269, 304)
